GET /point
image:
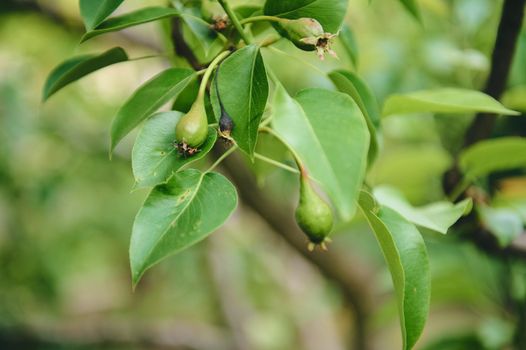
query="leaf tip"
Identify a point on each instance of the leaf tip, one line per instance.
(136, 274)
(512, 112)
(468, 202)
(135, 282)
(113, 142)
(141, 184)
(84, 37)
(48, 90)
(135, 186)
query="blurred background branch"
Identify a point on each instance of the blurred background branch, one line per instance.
(50, 11)
(177, 335)
(348, 274)
(510, 25)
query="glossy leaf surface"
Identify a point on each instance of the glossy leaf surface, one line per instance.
(446, 100)
(329, 132)
(145, 15)
(438, 216)
(351, 84)
(93, 12)
(78, 67)
(242, 88)
(154, 157)
(177, 215)
(406, 255)
(329, 13)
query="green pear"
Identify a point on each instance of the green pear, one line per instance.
(301, 30)
(313, 214)
(192, 129)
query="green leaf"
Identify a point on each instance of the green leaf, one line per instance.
(504, 223)
(204, 42)
(413, 8)
(330, 13)
(439, 216)
(154, 157)
(488, 156)
(245, 11)
(214, 99)
(93, 12)
(145, 15)
(147, 99)
(209, 109)
(406, 255)
(201, 36)
(243, 90)
(177, 215)
(446, 100)
(351, 84)
(186, 98)
(349, 44)
(78, 67)
(328, 131)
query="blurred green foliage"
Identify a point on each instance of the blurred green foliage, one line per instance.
(66, 210)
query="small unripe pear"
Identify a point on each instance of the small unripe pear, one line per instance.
(313, 214)
(192, 129)
(302, 28)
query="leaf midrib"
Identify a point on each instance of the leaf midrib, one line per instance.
(80, 60)
(163, 158)
(298, 8)
(402, 313)
(161, 237)
(87, 58)
(311, 130)
(250, 101)
(98, 30)
(202, 43)
(464, 108)
(461, 108)
(97, 15)
(153, 17)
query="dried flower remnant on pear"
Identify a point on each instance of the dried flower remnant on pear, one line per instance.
(308, 34)
(192, 130)
(220, 23)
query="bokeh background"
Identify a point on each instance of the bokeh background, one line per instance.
(66, 210)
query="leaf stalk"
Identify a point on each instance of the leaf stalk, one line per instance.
(275, 163)
(235, 21)
(209, 70)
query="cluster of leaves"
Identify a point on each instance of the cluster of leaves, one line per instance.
(333, 135)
